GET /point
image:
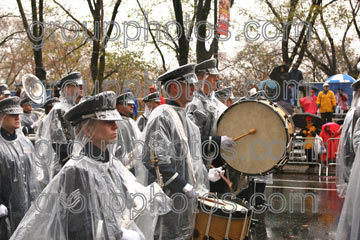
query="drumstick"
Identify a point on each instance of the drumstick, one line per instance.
(211, 200)
(251, 131)
(228, 182)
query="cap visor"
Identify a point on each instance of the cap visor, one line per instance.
(13, 111)
(130, 102)
(213, 71)
(191, 78)
(108, 115)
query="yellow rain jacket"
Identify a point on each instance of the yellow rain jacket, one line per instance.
(326, 101)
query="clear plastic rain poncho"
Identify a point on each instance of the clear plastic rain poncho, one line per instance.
(143, 119)
(346, 152)
(52, 132)
(175, 140)
(21, 178)
(349, 223)
(205, 111)
(127, 133)
(93, 197)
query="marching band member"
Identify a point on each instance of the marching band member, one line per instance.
(128, 131)
(48, 105)
(151, 102)
(225, 95)
(175, 141)
(58, 130)
(4, 91)
(28, 118)
(19, 176)
(93, 195)
(204, 110)
(349, 141)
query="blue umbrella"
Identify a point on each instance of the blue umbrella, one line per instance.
(269, 83)
(340, 78)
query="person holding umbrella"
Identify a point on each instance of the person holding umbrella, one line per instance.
(309, 133)
(310, 126)
(327, 103)
(308, 103)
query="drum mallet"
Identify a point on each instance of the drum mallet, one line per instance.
(251, 131)
(211, 200)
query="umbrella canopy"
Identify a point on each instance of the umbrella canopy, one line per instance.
(300, 122)
(340, 78)
(286, 106)
(276, 72)
(269, 83)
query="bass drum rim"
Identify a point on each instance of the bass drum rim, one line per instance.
(270, 105)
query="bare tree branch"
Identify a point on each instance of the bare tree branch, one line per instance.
(354, 11)
(9, 37)
(331, 41)
(343, 49)
(152, 36)
(113, 17)
(91, 7)
(73, 50)
(276, 14)
(76, 20)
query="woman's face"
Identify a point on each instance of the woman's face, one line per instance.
(104, 131)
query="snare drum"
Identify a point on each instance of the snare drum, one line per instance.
(266, 150)
(222, 220)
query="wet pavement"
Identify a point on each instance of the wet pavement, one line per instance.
(301, 206)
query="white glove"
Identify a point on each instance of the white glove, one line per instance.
(214, 174)
(35, 125)
(3, 211)
(190, 191)
(130, 235)
(227, 142)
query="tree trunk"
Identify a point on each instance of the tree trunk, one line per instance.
(183, 52)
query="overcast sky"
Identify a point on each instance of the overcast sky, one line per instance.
(159, 12)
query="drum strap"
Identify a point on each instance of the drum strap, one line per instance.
(208, 225)
(228, 226)
(175, 117)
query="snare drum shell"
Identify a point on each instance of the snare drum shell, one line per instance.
(239, 221)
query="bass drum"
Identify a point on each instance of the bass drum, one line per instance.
(268, 148)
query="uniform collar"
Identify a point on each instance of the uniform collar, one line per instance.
(93, 152)
(8, 136)
(124, 116)
(172, 103)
